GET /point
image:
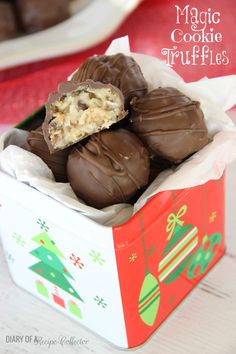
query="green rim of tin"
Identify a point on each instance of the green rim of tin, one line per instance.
(30, 117)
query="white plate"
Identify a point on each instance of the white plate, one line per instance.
(92, 22)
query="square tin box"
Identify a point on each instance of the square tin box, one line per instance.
(121, 282)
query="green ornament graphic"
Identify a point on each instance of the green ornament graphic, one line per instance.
(204, 255)
(178, 253)
(149, 299)
(149, 296)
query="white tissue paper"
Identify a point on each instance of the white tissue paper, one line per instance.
(215, 96)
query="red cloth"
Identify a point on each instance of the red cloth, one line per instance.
(24, 88)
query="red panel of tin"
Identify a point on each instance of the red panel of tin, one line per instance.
(164, 250)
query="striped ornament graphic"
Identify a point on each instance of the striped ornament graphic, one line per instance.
(178, 253)
(149, 296)
(149, 299)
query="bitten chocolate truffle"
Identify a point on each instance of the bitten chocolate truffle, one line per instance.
(80, 110)
(56, 162)
(119, 70)
(8, 26)
(36, 15)
(169, 123)
(109, 169)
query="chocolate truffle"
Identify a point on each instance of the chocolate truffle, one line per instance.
(36, 15)
(56, 162)
(80, 110)
(119, 70)
(157, 165)
(169, 123)
(109, 169)
(8, 26)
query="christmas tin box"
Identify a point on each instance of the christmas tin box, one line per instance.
(122, 270)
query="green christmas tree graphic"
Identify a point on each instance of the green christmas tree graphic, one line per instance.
(50, 266)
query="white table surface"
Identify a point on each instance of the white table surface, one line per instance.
(205, 323)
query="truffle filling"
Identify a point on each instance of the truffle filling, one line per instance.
(83, 112)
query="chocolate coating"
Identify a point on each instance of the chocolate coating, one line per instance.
(119, 70)
(8, 25)
(169, 123)
(79, 110)
(56, 162)
(157, 165)
(36, 15)
(109, 169)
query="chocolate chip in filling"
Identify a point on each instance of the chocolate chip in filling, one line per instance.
(80, 110)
